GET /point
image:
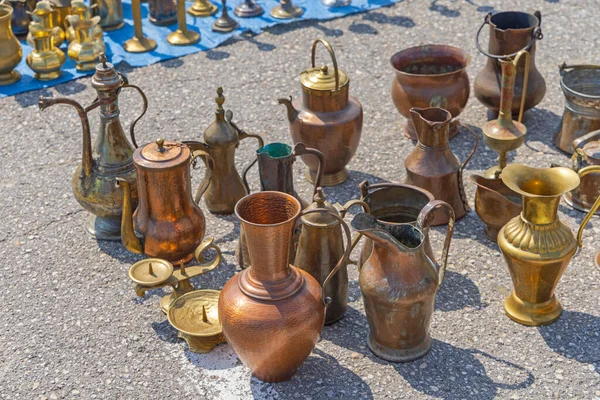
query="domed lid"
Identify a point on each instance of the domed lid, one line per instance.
(324, 78)
(322, 220)
(161, 155)
(106, 77)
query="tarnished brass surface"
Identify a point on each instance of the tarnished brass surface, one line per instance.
(503, 134)
(182, 36)
(138, 43)
(320, 246)
(272, 313)
(510, 32)
(430, 76)
(196, 316)
(85, 50)
(495, 204)
(62, 9)
(587, 153)
(93, 180)
(223, 184)
(537, 246)
(110, 13)
(202, 8)
(162, 12)
(43, 14)
(581, 87)
(10, 48)
(399, 282)
(248, 9)
(45, 60)
(19, 22)
(154, 273)
(286, 10)
(81, 10)
(432, 165)
(327, 119)
(224, 23)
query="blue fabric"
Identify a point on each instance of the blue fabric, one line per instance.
(314, 9)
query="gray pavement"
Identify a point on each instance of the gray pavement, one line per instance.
(72, 327)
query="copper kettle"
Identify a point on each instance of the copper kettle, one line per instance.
(167, 223)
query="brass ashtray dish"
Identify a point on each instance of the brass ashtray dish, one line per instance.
(151, 271)
(196, 316)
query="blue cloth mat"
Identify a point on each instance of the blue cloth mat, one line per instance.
(313, 9)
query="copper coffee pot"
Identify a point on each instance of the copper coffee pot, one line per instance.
(587, 154)
(93, 180)
(327, 119)
(510, 33)
(167, 223)
(432, 165)
(224, 184)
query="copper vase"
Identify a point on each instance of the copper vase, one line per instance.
(430, 76)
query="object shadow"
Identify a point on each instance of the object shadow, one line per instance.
(541, 125)
(172, 63)
(116, 250)
(397, 20)
(216, 55)
(165, 331)
(443, 10)
(28, 99)
(70, 88)
(250, 37)
(456, 293)
(362, 29)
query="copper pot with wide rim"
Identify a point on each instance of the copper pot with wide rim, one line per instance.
(430, 76)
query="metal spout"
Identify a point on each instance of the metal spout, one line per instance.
(291, 111)
(86, 156)
(128, 236)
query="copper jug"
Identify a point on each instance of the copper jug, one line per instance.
(320, 246)
(432, 165)
(110, 157)
(327, 119)
(272, 313)
(167, 223)
(399, 282)
(587, 153)
(221, 139)
(510, 32)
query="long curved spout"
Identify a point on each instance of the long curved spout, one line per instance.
(86, 158)
(128, 236)
(291, 111)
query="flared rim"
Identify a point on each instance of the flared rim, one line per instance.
(547, 182)
(459, 54)
(266, 194)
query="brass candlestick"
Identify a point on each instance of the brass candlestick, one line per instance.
(225, 23)
(138, 43)
(248, 9)
(286, 10)
(182, 36)
(202, 8)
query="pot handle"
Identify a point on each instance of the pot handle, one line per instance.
(207, 266)
(424, 220)
(301, 149)
(365, 187)
(241, 136)
(145, 102)
(564, 66)
(536, 35)
(344, 210)
(585, 139)
(209, 163)
(583, 172)
(345, 258)
(332, 54)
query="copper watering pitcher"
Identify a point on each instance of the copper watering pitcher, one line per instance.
(327, 119)
(272, 313)
(167, 223)
(432, 165)
(110, 157)
(399, 282)
(587, 154)
(221, 139)
(510, 33)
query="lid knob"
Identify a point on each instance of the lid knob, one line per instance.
(103, 59)
(324, 70)
(220, 99)
(161, 144)
(320, 197)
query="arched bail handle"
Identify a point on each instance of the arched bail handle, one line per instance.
(345, 258)
(536, 35)
(301, 149)
(583, 172)
(424, 220)
(333, 59)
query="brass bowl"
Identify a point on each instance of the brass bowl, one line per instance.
(151, 271)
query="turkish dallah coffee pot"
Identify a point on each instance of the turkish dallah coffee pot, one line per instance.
(272, 313)
(587, 154)
(510, 33)
(221, 139)
(110, 156)
(399, 282)
(432, 165)
(327, 119)
(167, 223)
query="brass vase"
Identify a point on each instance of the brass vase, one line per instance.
(537, 246)
(10, 48)
(44, 13)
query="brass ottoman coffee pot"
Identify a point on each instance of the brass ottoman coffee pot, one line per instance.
(430, 76)
(45, 60)
(399, 282)
(224, 186)
(320, 246)
(167, 223)
(272, 313)
(93, 180)
(81, 10)
(537, 246)
(86, 49)
(327, 119)
(587, 153)
(432, 165)
(10, 48)
(581, 87)
(62, 9)
(43, 14)
(510, 33)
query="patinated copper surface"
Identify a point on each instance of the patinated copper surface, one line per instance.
(587, 153)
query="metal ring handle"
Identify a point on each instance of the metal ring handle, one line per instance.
(583, 172)
(208, 244)
(209, 162)
(332, 54)
(423, 221)
(301, 149)
(145, 100)
(535, 35)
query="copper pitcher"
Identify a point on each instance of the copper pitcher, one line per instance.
(399, 282)
(167, 223)
(587, 153)
(432, 165)
(110, 157)
(272, 313)
(510, 33)
(221, 139)
(327, 119)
